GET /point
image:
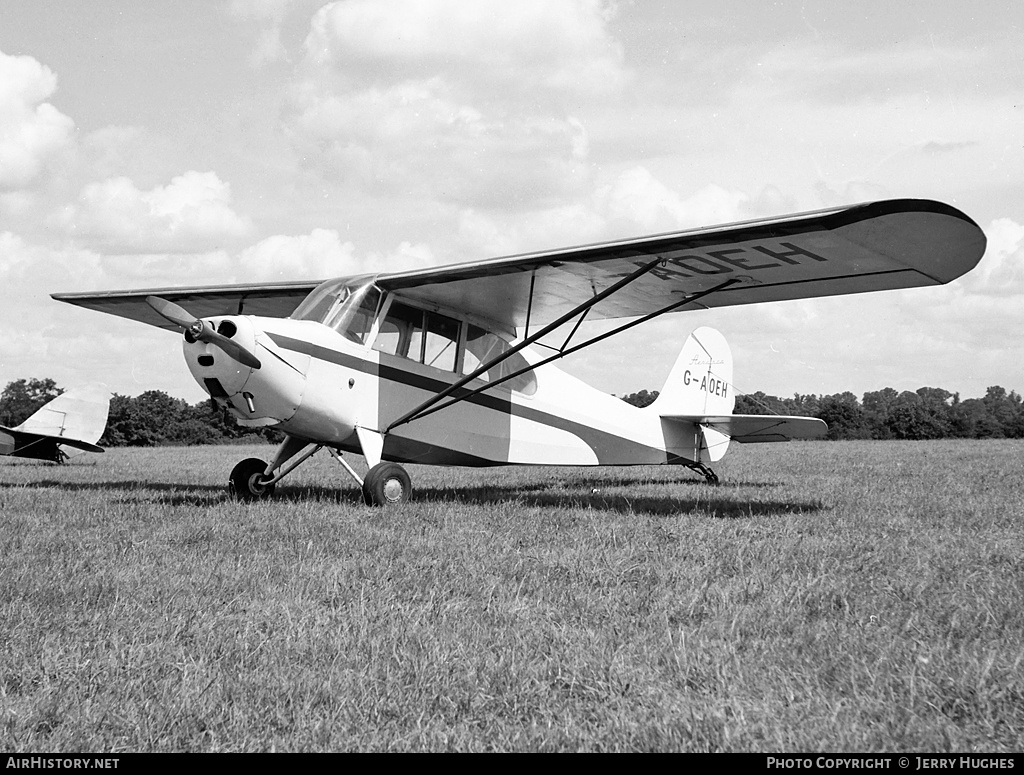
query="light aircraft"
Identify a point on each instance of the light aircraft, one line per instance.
(66, 426)
(447, 365)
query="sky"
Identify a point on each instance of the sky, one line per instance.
(152, 144)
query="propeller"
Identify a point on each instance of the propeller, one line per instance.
(202, 331)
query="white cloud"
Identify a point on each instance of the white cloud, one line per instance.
(1000, 273)
(522, 46)
(464, 102)
(320, 255)
(31, 131)
(633, 204)
(636, 197)
(267, 16)
(191, 212)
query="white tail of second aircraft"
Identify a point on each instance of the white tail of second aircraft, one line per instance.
(78, 415)
(697, 402)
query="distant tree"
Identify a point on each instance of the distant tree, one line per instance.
(805, 405)
(971, 419)
(935, 402)
(760, 403)
(23, 398)
(1014, 425)
(153, 418)
(1004, 409)
(877, 407)
(844, 416)
(912, 417)
(642, 398)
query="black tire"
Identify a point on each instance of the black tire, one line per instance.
(244, 482)
(386, 484)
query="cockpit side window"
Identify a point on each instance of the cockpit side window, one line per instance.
(441, 343)
(401, 332)
(483, 346)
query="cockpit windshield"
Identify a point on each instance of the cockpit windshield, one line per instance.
(348, 308)
(426, 337)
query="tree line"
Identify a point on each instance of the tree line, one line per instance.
(927, 413)
(154, 418)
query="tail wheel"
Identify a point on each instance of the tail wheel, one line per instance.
(386, 484)
(245, 480)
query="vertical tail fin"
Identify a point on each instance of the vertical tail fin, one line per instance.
(700, 382)
(699, 386)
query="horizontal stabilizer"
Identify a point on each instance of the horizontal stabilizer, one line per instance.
(41, 446)
(754, 428)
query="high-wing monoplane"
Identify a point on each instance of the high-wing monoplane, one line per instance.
(66, 426)
(453, 365)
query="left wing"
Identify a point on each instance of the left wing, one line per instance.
(753, 428)
(274, 300)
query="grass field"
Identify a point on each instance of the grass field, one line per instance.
(847, 596)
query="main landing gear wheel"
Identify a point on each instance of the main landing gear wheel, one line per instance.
(245, 481)
(386, 484)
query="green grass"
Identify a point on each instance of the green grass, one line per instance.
(858, 596)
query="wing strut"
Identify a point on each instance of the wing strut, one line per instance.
(430, 405)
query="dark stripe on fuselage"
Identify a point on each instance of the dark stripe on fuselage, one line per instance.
(608, 447)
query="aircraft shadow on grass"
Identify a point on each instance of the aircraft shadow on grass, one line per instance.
(598, 498)
(589, 493)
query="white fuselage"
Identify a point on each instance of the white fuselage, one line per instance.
(315, 384)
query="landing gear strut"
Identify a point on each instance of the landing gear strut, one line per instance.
(386, 484)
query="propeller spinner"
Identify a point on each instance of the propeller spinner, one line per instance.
(202, 330)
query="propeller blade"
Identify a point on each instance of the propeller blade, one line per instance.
(202, 330)
(171, 311)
